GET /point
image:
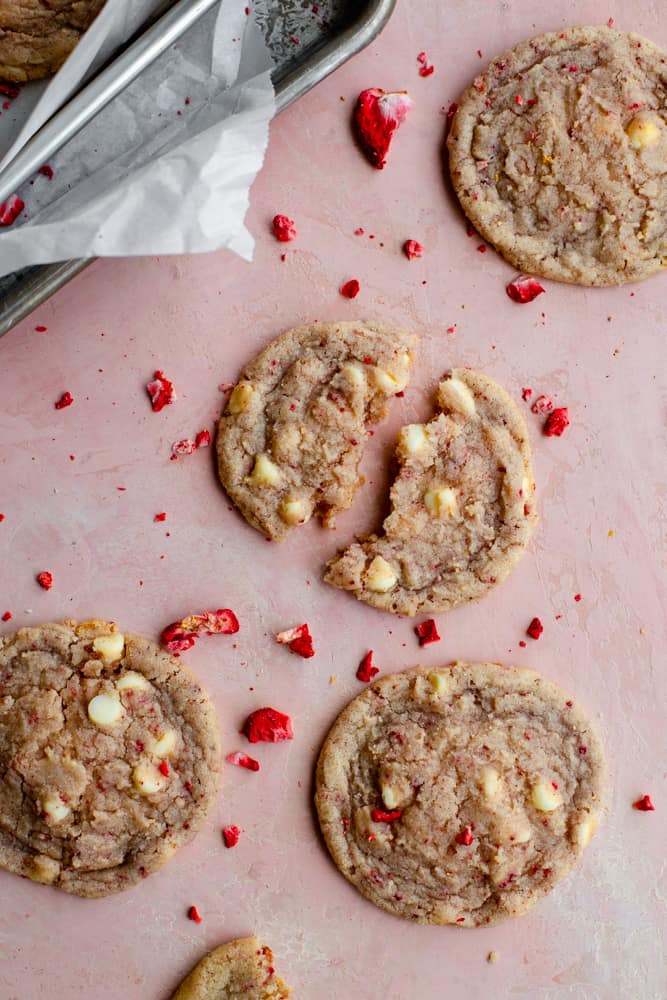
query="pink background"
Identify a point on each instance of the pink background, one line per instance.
(601, 353)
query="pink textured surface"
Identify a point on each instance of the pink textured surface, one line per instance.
(601, 353)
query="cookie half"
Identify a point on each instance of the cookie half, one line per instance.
(109, 756)
(238, 969)
(459, 795)
(462, 508)
(37, 36)
(295, 426)
(557, 154)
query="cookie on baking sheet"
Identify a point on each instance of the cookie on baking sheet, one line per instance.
(462, 506)
(239, 970)
(109, 756)
(459, 795)
(36, 36)
(557, 154)
(294, 429)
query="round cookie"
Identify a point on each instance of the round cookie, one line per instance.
(239, 970)
(294, 429)
(37, 36)
(557, 153)
(462, 508)
(109, 756)
(459, 795)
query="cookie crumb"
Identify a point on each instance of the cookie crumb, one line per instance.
(492, 957)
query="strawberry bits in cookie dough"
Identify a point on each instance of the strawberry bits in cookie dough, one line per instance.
(459, 795)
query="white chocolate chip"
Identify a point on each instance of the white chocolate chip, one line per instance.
(354, 373)
(438, 682)
(104, 710)
(489, 781)
(389, 796)
(147, 779)
(264, 473)
(643, 130)
(414, 438)
(441, 502)
(240, 397)
(584, 830)
(110, 647)
(44, 869)
(387, 382)
(380, 577)
(165, 745)
(132, 681)
(525, 487)
(295, 511)
(453, 394)
(522, 836)
(55, 809)
(545, 797)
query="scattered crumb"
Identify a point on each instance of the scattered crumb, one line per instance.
(333, 678)
(492, 957)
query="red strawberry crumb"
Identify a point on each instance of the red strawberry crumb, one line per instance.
(10, 90)
(577, 597)
(7, 616)
(526, 394)
(376, 118)
(412, 249)
(524, 289)
(65, 400)
(299, 640)
(284, 229)
(45, 580)
(644, 804)
(543, 404)
(381, 816)
(231, 836)
(160, 517)
(359, 231)
(41, 329)
(182, 635)
(10, 210)
(267, 725)
(481, 248)
(426, 66)
(242, 760)
(193, 914)
(46, 171)
(464, 837)
(202, 439)
(427, 632)
(518, 99)
(451, 329)
(161, 391)
(610, 22)
(366, 671)
(535, 629)
(350, 289)
(522, 643)
(556, 422)
(583, 751)
(164, 768)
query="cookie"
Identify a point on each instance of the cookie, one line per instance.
(239, 970)
(557, 155)
(462, 508)
(37, 36)
(459, 795)
(109, 756)
(295, 426)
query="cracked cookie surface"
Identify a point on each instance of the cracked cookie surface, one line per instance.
(462, 507)
(558, 155)
(239, 970)
(295, 426)
(37, 36)
(109, 755)
(459, 795)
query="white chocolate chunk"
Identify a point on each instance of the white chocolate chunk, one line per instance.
(165, 745)
(453, 394)
(240, 397)
(414, 438)
(523, 835)
(132, 681)
(110, 647)
(147, 779)
(489, 781)
(441, 502)
(643, 130)
(438, 682)
(545, 797)
(264, 473)
(295, 511)
(525, 487)
(380, 577)
(44, 869)
(354, 373)
(55, 809)
(104, 710)
(584, 830)
(389, 796)
(387, 382)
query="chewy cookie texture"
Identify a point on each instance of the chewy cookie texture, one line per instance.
(557, 154)
(109, 756)
(459, 795)
(36, 36)
(295, 426)
(239, 970)
(462, 507)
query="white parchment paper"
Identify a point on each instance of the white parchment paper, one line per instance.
(167, 166)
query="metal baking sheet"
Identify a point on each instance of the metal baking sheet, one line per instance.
(306, 45)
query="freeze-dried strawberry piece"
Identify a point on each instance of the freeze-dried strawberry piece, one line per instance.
(231, 836)
(284, 228)
(161, 391)
(299, 640)
(193, 914)
(7, 616)
(543, 404)
(524, 289)
(164, 768)
(556, 422)
(202, 439)
(644, 804)
(10, 90)
(426, 66)
(182, 635)
(350, 289)
(184, 447)
(412, 249)
(267, 725)
(381, 816)
(427, 632)
(162, 516)
(46, 171)
(242, 760)
(535, 629)
(10, 210)
(366, 671)
(526, 394)
(464, 837)
(45, 580)
(377, 116)
(65, 400)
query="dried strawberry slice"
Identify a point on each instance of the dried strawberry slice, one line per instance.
(45, 580)
(231, 836)
(524, 289)
(644, 804)
(10, 210)
(535, 629)
(182, 635)
(284, 228)
(366, 671)
(161, 391)
(427, 632)
(240, 759)
(412, 249)
(267, 725)
(377, 116)
(382, 816)
(299, 640)
(556, 422)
